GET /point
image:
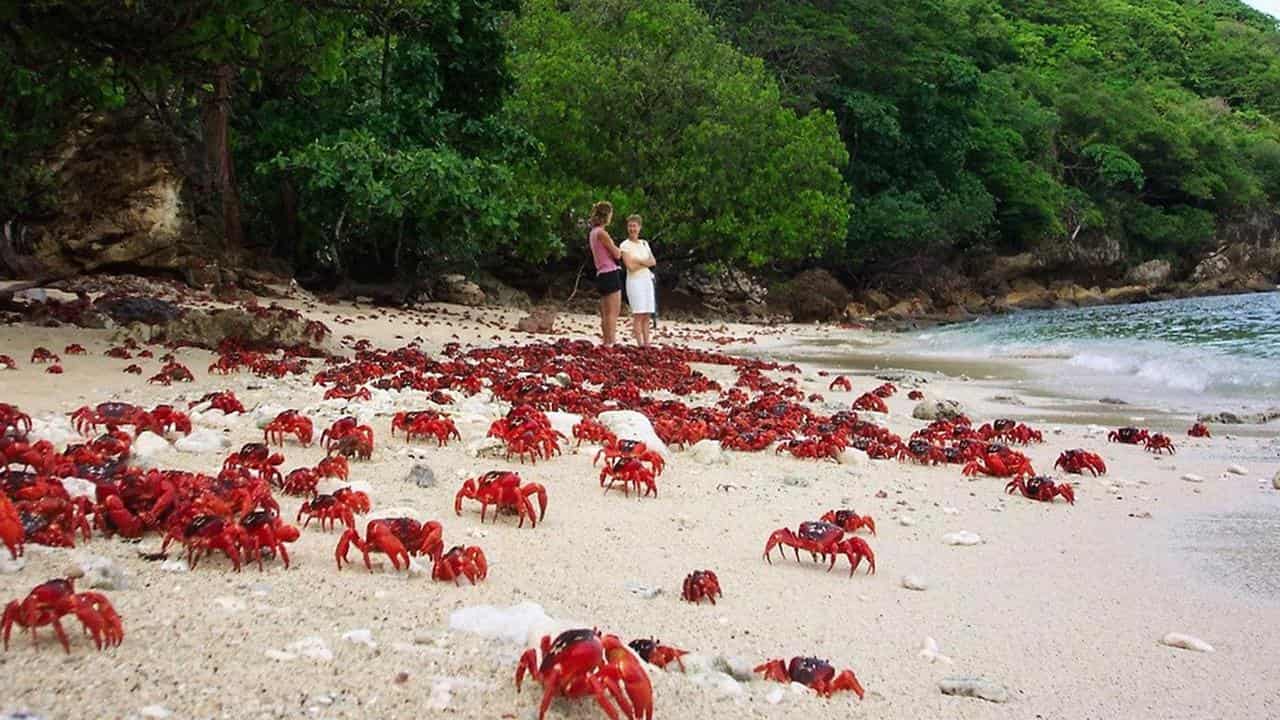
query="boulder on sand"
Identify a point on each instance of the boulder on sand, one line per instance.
(937, 410)
(631, 425)
(457, 289)
(539, 320)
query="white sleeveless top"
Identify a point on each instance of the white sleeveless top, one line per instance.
(639, 251)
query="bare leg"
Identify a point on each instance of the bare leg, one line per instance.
(637, 330)
(642, 322)
(610, 306)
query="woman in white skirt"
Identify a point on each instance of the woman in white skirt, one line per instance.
(638, 258)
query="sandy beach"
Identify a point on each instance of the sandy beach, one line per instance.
(1063, 606)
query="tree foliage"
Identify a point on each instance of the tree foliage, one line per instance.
(642, 104)
(1018, 124)
(390, 137)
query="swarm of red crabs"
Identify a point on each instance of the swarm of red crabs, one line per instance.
(233, 514)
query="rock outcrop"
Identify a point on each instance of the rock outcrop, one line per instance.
(1152, 273)
(457, 289)
(265, 328)
(122, 203)
(811, 295)
(723, 293)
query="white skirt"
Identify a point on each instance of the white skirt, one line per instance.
(640, 295)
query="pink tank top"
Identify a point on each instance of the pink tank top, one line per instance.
(604, 261)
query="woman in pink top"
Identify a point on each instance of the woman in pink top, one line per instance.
(609, 275)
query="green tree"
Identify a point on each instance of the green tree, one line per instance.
(639, 102)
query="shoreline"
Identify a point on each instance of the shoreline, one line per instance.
(1063, 605)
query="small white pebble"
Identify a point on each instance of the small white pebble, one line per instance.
(1237, 469)
(963, 537)
(914, 582)
(1186, 642)
(1192, 478)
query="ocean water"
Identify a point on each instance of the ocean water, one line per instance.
(1190, 354)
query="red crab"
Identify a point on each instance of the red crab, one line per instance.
(8, 363)
(527, 431)
(655, 653)
(118, 353)
(592, 430)
(204, 534)
(840, 383)
(112, 415)
(461, 561)
(922, 451)
(172, 372)
(339, 392)
(334, 466)
(915, 395)
(74, 349)
(165, 418)
(14, 421)
(44, 355)
(873, 403)
(134, 369)
(813, 673)
(1128, 435)
(885, 391)
(397, 538)
(225, 401)
(849, 521)
(1160, 443)
(632, 449)
(343, 504)
(628, 471)
(999, 461)
(54, 369)
(301, 482)
(48, 602)
(582, 663)
(504, 490)
(264, 530)
(425, 423)
(258, 458)
(1077, 461)
(344, 428)
(824, 447)
(1010, 431)
(1199, 430)
(824, 539)
(12, 534)
(289, 422)
(1041, 488)
(700, 584)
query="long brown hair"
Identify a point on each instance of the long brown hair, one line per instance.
(601, 212)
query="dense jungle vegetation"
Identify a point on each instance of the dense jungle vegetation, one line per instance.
(379, 138)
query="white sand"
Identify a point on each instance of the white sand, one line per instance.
(1064, 606)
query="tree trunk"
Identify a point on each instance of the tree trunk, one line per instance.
(289, 219)
(217, 120)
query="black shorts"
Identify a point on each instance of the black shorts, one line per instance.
(609, 282)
